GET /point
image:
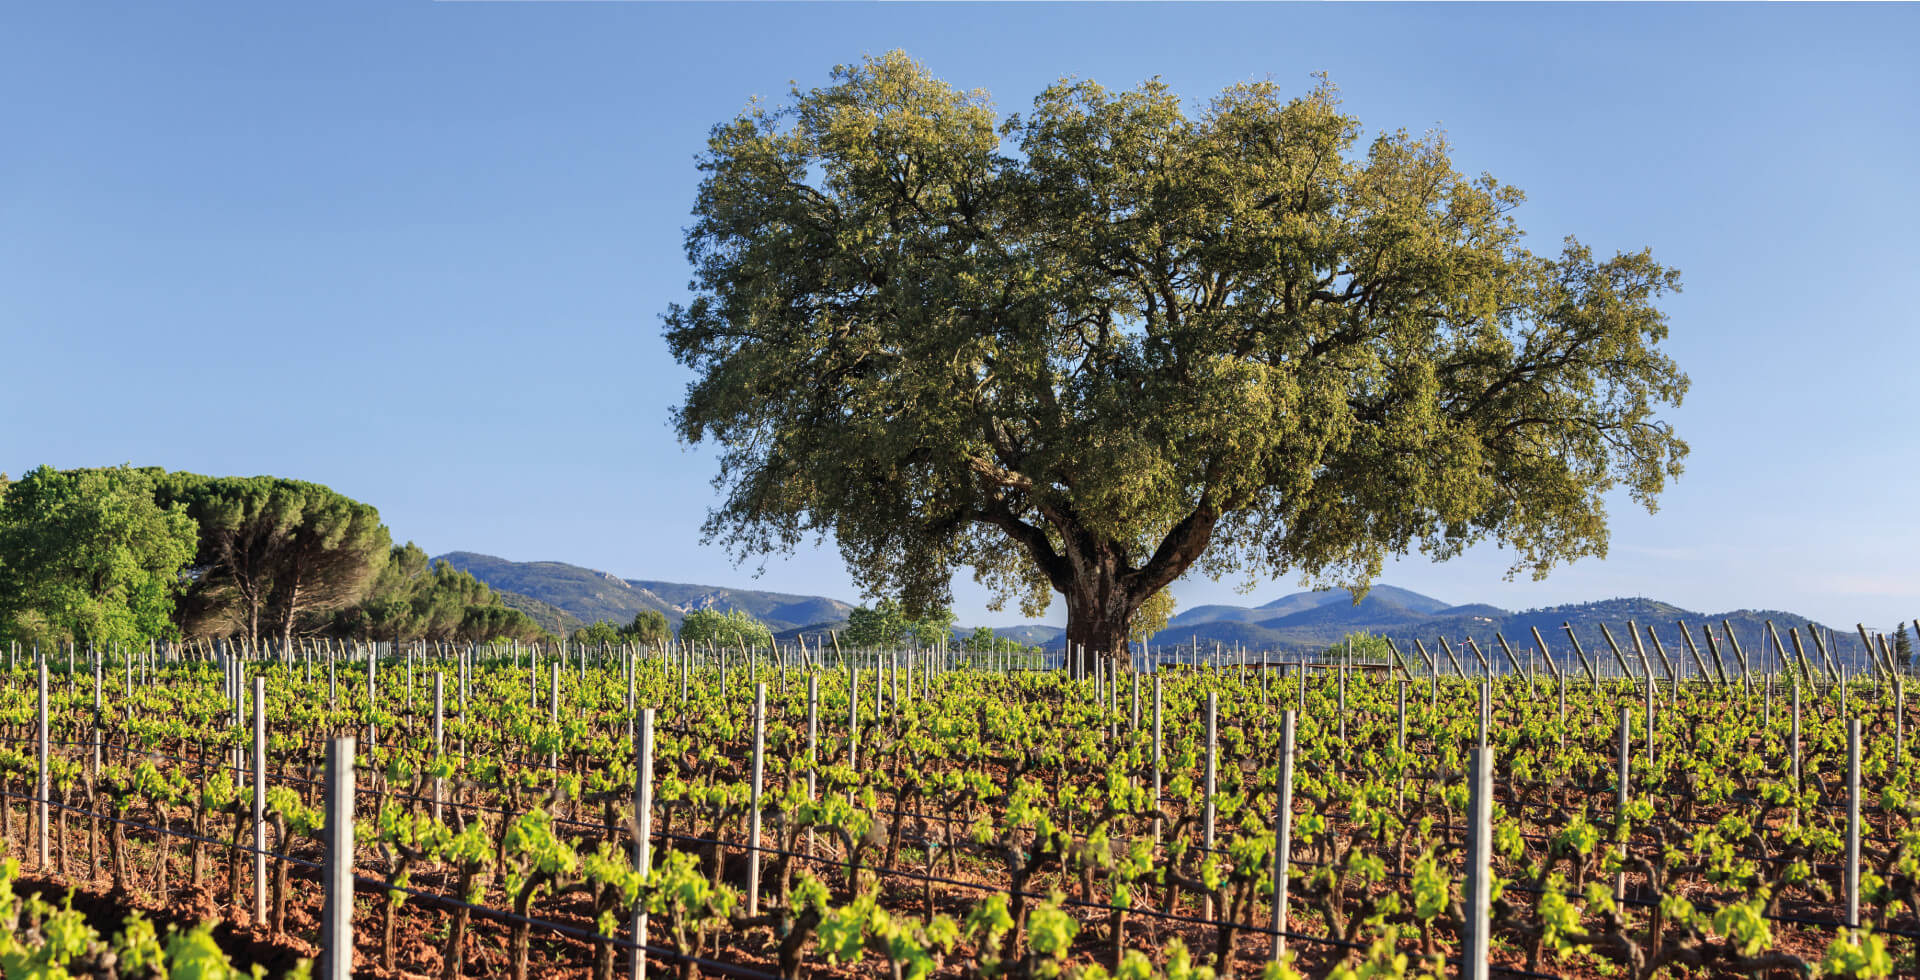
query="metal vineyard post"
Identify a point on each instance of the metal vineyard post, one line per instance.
(753, 812)
(373, 679)
(1794, 746)
(813, 743)
(336, 919)
(1400, 710)
(42, 786)
(1853, 823)
(1486, 709)
(1213, 746)
(1620, 799)
(439, 735)
(259, 800)
(1478, 891)
(1156, 758)
(1283, 835)
(1135, 726)
(642, 839)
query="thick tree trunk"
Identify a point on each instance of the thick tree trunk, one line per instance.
(1104, 588)
(289, 612)
(1098, 614)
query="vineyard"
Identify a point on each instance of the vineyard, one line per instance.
(464, 812)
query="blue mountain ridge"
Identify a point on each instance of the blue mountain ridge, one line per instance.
(1300, 622)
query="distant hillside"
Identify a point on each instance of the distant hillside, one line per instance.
(1033, 634)
(768, 607)
(1311, 621)
(551, 618)
(1384, 605)
(563, 597)
(583, 593)
(588, 595)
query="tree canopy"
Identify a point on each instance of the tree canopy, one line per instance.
(1361, 647)
(984, 640)
(127, 554)
(888, 625)
(648, 629)
(1151, 617)
(275, 551)
(88, 556)
(1092, 347)
(735, 629)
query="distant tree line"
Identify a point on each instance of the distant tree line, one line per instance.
(888, 625)
(121, 555)
(984, 640)
(414, 599)
(733, 629)
(649, 628)
(1360, 648)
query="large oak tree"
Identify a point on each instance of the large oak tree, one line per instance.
(1090, 348)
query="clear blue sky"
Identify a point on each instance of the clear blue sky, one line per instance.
(418, 251)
